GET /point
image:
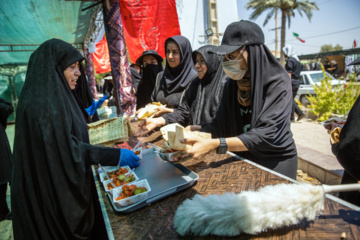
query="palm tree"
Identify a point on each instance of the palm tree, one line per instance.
(287, 8)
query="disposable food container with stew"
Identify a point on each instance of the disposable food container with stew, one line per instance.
(133, 199)
(108, 170)
(107, 182)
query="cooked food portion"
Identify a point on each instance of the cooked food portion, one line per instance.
(115, 173)
(129, 191)
(120, 180)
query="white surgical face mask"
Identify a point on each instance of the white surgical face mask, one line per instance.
(232, 69)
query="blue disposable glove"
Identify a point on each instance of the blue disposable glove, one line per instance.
(95, 105)
(128, 157)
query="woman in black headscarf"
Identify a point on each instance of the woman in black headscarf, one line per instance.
(253, 119)
(151, 63)
(51, 195)
(178, 74)
(203, 96)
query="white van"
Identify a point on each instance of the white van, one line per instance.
(310, 78)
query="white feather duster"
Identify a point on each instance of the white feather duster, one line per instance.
(252, 212)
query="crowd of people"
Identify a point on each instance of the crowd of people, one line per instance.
(237, 91)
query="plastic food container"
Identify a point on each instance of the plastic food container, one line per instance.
(138, 152)
(133, 199)
(105, 183)
(165, 156)
(110, 169)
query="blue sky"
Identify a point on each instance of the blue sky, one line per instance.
(332, 19)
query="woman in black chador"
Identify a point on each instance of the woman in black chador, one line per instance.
(178, 74)
(6, 109)
(151, 65)
(52, 186)
(253, 119)
(203, 96)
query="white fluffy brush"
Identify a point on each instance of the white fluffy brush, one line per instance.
(252, 212)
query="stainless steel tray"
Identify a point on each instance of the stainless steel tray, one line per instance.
(165, 178)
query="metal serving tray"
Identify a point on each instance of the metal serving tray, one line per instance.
(165, 178)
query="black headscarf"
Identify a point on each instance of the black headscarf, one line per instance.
(269, 137)
(209, 92)
(175, 80)
(271, 98)
(147, 84)
(83, 96)
(51, 191)
(203, 96)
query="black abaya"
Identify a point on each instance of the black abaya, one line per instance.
(51, 192)
(83, 96)
(269, 139)
(347, 151)
(5, 157)
(5, 152)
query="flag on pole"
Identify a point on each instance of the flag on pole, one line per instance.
(297, 36)
(147, 24)
(354, 43)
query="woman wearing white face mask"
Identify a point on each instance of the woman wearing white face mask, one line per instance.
(253, 119)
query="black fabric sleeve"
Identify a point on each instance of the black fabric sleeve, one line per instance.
(96, 154)
(5, 111)
(180, 115)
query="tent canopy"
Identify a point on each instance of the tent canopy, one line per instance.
(25, 24)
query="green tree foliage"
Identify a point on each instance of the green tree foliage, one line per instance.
(330, 48)
(333, 100)
(287, 8)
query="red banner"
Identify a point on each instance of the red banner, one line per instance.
(101, 57)
(147, 24)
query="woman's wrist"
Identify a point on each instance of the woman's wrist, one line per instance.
(215, 143)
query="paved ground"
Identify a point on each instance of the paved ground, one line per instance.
(308, 134)
(313, 144)
(311, 134)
